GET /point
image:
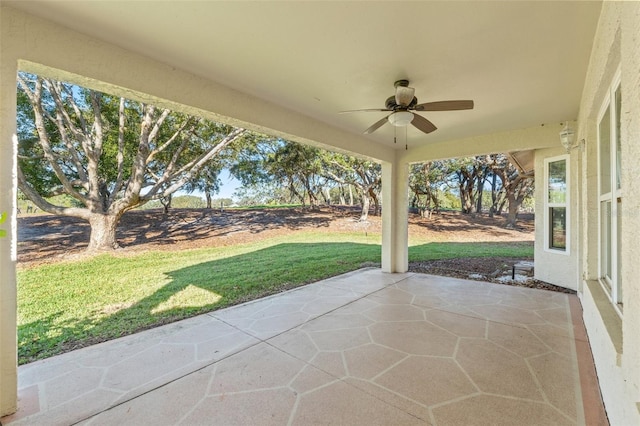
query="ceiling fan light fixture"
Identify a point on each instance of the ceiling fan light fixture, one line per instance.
(401, 118)
(404, 95)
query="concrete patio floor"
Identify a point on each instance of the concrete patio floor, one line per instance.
(360, 348)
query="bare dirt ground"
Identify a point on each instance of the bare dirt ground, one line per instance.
(47, 238)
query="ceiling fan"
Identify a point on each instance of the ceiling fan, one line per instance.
(404, 102)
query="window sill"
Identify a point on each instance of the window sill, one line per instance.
(610, 318)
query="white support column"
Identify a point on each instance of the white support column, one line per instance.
(395, 228)
(8, 236)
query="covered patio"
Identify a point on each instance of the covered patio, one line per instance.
(360, 348)
(373, 346)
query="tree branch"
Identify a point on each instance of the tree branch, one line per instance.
(120, 155)
(44, 205)
(192, 168)
(35, 99)
(60, 108)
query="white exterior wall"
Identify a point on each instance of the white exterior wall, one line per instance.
(630, 44)
(8, 293)
(615, 340)
(552, 266)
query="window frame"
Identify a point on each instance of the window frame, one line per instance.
(612, 285)
(566, 205)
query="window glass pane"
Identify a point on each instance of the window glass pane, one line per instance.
(618, 140)
(604, 133)
(558, 237)
(619, 252)
(605, 241)
(558, 181)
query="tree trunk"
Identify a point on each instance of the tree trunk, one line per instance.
(414, 201)
(207, 196)
(494, 195)
(466, 203)
(376, 203)
(365, 207)
(466, 187)
(166, 203)
(350, 196)
(103, 232)
(501, 207)
(480, 189)
(328, 192)
(434, 200)
(512, 216)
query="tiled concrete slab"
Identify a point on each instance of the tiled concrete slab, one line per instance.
(361, 348)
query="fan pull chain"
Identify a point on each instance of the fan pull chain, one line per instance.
(406, 141)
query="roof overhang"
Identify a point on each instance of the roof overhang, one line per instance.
(290, 67)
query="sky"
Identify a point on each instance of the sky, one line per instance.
(228, 186)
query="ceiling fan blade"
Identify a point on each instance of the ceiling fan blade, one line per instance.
(423, 124)
(404, 95)
(444, 106)
(375, 126)
(364, 110)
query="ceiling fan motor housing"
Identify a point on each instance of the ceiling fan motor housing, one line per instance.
(393, 106)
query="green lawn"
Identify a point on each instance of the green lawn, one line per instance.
(73, 304)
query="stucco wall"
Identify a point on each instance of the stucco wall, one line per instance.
(8, 354)
(630, 46)
(616, 45)
(559, 268)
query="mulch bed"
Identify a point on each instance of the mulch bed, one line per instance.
(487, 269)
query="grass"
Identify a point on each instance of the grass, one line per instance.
(446, 250)
(74, 304)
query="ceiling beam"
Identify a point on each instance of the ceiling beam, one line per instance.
(543, 136)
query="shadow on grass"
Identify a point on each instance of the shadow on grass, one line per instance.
(194, 290)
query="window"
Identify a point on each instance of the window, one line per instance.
(610, 193)
(557, 204)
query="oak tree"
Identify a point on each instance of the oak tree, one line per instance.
(109, 153)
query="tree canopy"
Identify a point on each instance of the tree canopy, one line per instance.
(110, 154)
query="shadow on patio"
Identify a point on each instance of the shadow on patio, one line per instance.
(360, 348)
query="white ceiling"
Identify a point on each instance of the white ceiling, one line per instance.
(523, 63)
